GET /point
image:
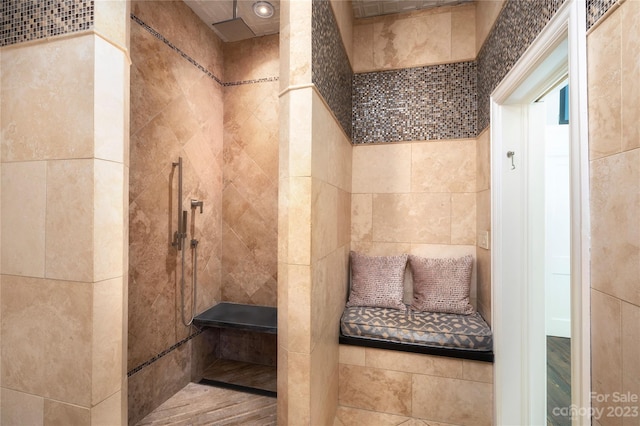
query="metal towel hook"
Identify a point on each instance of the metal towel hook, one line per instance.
(511, 154)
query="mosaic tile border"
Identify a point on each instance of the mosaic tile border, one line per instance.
(330, 67)
(422, 103)
(163, 353)
(518, 24)
(195, 63)
(596, 10)
(26, 20)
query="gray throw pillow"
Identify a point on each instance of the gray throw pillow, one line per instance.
(377, 281)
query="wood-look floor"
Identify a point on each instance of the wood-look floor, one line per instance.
(243, 374)
(558, 378)
(206, 405)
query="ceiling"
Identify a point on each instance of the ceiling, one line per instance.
(214, 11)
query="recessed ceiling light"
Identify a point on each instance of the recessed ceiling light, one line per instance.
(263, 9)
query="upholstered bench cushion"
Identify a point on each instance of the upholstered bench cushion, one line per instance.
(469, 332)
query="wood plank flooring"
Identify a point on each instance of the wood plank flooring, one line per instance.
(243, 374)
(558, 378)
(206, 405)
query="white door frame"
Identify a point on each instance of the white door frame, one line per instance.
(511, 306)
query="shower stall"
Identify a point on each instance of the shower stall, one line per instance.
(204, 114)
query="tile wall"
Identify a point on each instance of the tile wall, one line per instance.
(64, 171)
(614, 144)
(314, 222)
(387, 387)
(176, 111)
(250, 169)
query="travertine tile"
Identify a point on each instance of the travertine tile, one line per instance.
(298, 310)
(486, 14)
(415, 217)
(324, 219)
(349, 416)
(463, 218)
(251, 59)
(299, 387)
(361, 217)
(110, 411)
(110, 20)
(630, 353)
(57, 413)
(353, 355)
(24, 198)
(20, 408)
(629, 75)
(463, 33)
(362, 46)
(415, 39)
(381, 168)
(452, 401)
(299, 213)
(343, 13)
(108, 215)
(106, 363)
(603, 49)
(444, 166)
(49, 87)
(299, 130)
(414, 363)
(615, 229)
(483, 161)
(606, 349)
(69, 224)
(375, 389)
(54, 314)
(477, 371)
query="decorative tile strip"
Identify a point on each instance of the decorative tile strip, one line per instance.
(163, 353)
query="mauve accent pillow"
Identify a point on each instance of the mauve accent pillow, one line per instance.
(377, 281)
(441, 285)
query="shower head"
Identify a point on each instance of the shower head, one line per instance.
(234, 29)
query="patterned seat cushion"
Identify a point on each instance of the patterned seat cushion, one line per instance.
(469, 332)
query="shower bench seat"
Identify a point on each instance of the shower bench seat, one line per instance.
(254, 375)
(263, 319)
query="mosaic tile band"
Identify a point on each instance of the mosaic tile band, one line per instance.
(26, 20)
(163, 353)
(422, 103)
(331, 69)
(596, 10)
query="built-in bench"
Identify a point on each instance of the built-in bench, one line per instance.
(452, 335)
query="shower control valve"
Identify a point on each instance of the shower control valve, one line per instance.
(195, 204)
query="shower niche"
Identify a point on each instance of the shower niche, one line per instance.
(246, 353)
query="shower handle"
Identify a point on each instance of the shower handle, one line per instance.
(195, 204)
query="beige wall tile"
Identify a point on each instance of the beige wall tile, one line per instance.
(283, 376)
(19, 409)
(60, 414)
(108, 217)
(477, 371)
(110, 411)
(23, 218)
(483, 211)
(343, 12)
(606, 348)
(295, 44)
(353, 355)
(324, 378)
(299, 387)
(414, 363)
(452, 401)
(111, 20)
(487, 12)
(251, 59)
(463, 33)
(415, 217)
(54, 314)
(380, 249)
(375, 389)
(363, 45)
(107, 344)
(299, 131)
(298, 329)
(415, 39)
(59, 75)
(483, 161)
(69, 224)
(444, 166)
(483, 265)
(109, 118)
(299, 213)
(615, 229)
(384, 168)
(348, 416)
(463, 218)
(361, 217)
(630, 351)
(629, 75)
(603, 50)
